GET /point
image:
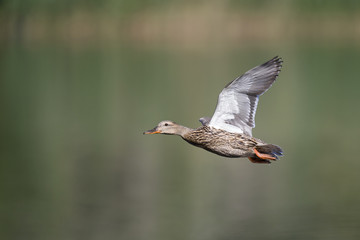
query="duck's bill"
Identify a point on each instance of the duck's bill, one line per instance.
(152, 131)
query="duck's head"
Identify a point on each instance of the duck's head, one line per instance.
(166, 127)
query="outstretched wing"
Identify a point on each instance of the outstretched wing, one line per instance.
(237, 102)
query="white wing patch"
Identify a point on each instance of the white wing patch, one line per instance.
(231, 106)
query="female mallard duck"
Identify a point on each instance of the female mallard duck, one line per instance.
(228, 132)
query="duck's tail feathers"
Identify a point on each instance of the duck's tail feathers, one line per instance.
(264, 153)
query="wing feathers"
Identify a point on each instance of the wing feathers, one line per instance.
(259, 79)
(237, 103)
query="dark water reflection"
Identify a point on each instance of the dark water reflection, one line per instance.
(75, 164)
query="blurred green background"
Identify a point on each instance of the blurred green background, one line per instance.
(81, 80)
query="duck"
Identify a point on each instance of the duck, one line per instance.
(228, 132)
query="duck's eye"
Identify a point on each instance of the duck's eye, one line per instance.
(166, 124)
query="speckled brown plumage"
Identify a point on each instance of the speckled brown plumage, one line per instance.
(221, 142)
(228, 144)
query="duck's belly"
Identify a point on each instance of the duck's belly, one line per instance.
(225, 150)
(228, 151)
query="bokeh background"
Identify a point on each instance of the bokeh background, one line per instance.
(80, 80)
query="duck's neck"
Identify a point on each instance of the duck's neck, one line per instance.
(182, 130)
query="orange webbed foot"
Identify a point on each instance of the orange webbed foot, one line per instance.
(264, 155)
